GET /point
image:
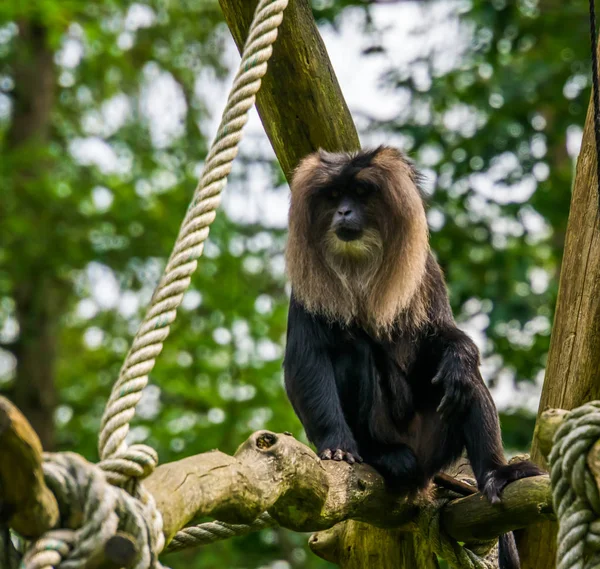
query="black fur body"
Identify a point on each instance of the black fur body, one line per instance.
(375, 398)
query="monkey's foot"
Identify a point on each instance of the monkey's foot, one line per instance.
(498, 479)
(339, 454)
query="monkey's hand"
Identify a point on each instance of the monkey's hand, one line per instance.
(497, 480)
(339, 452)
(457, 382)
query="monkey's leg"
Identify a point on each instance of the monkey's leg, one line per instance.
(435, 443)
(468, 410)
(399, 467)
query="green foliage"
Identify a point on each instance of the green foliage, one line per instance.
(525, 79)
(92, 222)
(71, 219)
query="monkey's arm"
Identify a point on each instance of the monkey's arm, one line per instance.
(467, 400)
(458, 368)
(311, 387)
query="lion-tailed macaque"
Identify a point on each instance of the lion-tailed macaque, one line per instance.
(375, 366)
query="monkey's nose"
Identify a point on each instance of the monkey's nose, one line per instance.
(345, 212)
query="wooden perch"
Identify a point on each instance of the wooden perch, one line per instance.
(277, 473)
(572, 376)
(26, 503)
(269, 471)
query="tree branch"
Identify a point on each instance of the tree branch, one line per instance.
(275, 472)
(524, 502)
(26, 503)
(269, 471)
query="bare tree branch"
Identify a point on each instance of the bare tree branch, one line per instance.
(26, 503)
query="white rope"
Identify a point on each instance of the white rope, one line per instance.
(93, 510)
(210, 532)
(97, 501)
(154, 329)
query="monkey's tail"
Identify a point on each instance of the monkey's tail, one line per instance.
(508, 555)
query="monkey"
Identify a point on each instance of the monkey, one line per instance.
(375, 366)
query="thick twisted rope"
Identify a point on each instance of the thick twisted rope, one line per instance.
(154, 329)
(210, 532)
(574, 490)
(92, 511)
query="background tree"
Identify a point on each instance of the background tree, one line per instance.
(104, 112)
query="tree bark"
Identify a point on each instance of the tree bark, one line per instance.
(573, 369)
(356, 545)
(36, 294)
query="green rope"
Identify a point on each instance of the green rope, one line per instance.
(574, 489)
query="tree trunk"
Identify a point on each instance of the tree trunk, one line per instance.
(356, 545)
(34, 76)
(300, 102)
(36, 295)
(573, 370)
(38, 310)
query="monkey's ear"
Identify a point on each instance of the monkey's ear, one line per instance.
(310, 162)
(393, 160)
(389, 156)
(306, 170)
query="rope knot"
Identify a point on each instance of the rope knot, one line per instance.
(92, 511)
(136, 461)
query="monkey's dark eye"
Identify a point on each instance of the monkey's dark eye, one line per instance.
(335, 194)
(364, 190)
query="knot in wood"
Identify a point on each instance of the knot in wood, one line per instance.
(266, 440)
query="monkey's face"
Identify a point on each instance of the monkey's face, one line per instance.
(347, 210)
(357, 242)
(345, 222)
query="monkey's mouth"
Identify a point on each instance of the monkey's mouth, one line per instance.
(353, 244)
(348, 234)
